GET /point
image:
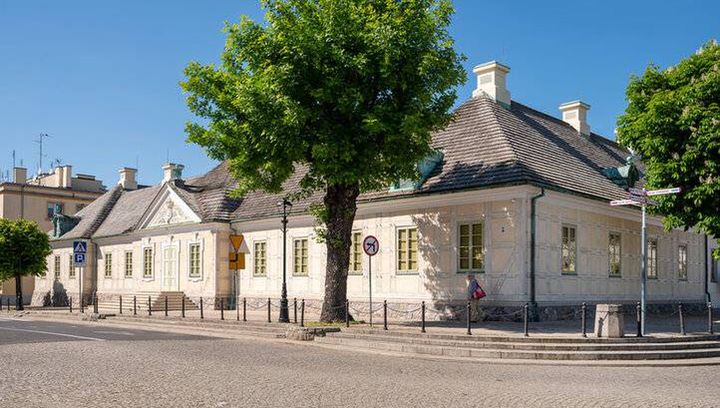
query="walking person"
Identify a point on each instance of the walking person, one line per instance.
(475, 292)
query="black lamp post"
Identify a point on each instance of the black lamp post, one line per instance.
(284, 313)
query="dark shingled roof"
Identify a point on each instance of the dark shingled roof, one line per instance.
(486, 145)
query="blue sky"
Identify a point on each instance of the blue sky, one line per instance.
(101, 78)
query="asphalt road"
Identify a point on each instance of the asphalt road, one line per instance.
(78, 365)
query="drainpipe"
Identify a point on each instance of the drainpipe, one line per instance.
(707, 274)
(533, 303)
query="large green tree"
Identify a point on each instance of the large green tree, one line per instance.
(346, 91)
(673, 122)
(24, 248)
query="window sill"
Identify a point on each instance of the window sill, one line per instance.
(569, 273)
(480, 271)
(355, 274)
(259, 276)
(407, 273)
(148, 278)
(195, 279)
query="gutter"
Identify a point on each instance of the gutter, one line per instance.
(533, 215)
(708, 299)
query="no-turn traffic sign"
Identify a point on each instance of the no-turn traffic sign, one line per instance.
(371, 246)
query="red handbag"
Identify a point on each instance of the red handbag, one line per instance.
(479, 293)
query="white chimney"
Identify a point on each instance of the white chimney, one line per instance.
(128, 178)
(575, 114)
(64, 176)
(491, 81)
(172, 171)
(20, 175)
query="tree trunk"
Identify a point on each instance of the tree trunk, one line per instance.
(340, 205)
(18, 293)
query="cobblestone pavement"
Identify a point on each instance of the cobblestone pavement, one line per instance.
(179, 372)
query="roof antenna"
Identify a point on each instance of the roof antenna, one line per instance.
(40, 142)
(13, 155)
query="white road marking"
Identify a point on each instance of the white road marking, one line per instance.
(52, 333)
(123, 333)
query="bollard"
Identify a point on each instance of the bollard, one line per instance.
(347, 313)
(95, 304)
(120, 304)
(8, 304)
(182, 306)
(222, 308)
(82, 304)
(385, 315)
(69, 305)
(166, 306)
(638, 319)
(269, 320)
(469, 312)
(237, 309)
(710, 318)
(422, 307)
(584, 319)
(149, 306)
(302, 313)
(244, 309)
(134, 305)
(682, 319)
(525, 319)
(295, 310)
(202, 310)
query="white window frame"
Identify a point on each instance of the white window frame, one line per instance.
(107, 266)
(254, 258)
(351, 271)
(132, 264)
(71, 265)
(575, 250)
(396, 238)
(679, 266)
(150, 277)
(57, 273)
(610, 272)
(483, 246)
(201, 244)
(655, 276)
(300, 238)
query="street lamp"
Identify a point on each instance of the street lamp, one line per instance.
(284, 313)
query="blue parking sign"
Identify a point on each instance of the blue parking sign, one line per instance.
(79, 252)
(79, 259)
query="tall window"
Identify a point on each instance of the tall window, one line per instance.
(356, 252)
(71, 266)
(147, 262)
(260, 257)
(569, 249)
(108, 265)
(471, 256)
(652, 258)
(615, 253)
(56, 267)
(682, 262)
(407, 250)
(128, 264)
(195, 271)
(300, 257)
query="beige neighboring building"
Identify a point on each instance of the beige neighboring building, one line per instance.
(516, 196)
(37, 199)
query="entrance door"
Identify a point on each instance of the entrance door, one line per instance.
(170, 268)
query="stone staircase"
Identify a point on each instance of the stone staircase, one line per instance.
(482, 347)
(157, 302)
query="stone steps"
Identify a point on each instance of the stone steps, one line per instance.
(529, 348)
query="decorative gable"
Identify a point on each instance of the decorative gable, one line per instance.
(170, 209)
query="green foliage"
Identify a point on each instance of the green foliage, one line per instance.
(349, 90)
(673, 122)
(24, 248)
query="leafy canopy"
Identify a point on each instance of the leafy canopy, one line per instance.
(24, 248)
(673, 122)
(349, 89)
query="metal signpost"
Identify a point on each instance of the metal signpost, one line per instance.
(637, 196)
(236, 263)
(79, 259)
(371, 246)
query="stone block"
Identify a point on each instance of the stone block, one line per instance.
(609, 321)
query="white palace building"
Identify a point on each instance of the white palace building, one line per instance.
(518, 197)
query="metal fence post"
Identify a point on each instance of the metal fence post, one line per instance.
(682, 319)
(244, 309)
(134, 305)
(182, 306)
(166, 306)
(120, 304)
(237, 309)
(584, 319)
(222, 308)
(69, 305)
(295, 310)
(385, 314)
(149, 306)
(469, 318)
(269, 319)
(347, 313)
(638, 319)
(710, 318)
(525, 319)
(422, 313)
(302, 313)
(202, 309)
(95, 304)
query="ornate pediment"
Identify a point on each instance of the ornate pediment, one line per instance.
(171, 210)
